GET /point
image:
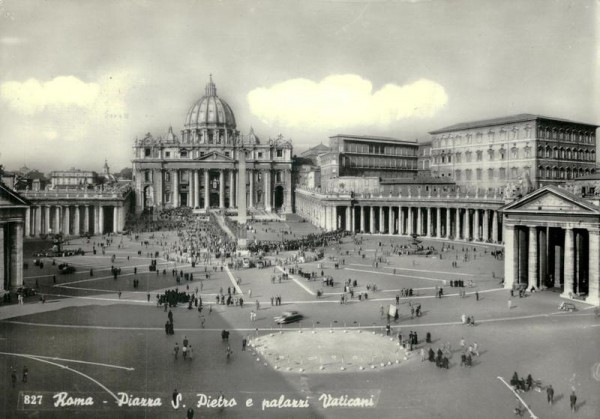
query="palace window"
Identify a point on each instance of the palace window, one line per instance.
(183, 153)
(515, 152)
(501, 153)
(468, 156)
(147, 152)
(479, 155)
(457, 156)
(147, 176)
(456, 175)
(167, 154)
(479, 173)
(468, 174)
(502, 173)
(167, 176)
(527, 150)
(490, 174)
(514, 172)
(260, 155)
(491, 153)
(279, 153)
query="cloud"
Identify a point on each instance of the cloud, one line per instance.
(344, 100)
(33, 96)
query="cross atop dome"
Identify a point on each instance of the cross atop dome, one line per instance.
(211, 89)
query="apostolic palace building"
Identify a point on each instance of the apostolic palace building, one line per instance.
(200, 167)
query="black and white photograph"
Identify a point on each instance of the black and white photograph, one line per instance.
(299, 209)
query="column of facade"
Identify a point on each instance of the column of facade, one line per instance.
(511, 253)
(448, 222)
(352, 219)
(221, 189)
(231, 189)
(438, 222)
(594, 268)
(175, 178)
(66, 221)
(268, 191)
(348, 227)
(476, 235)
(206, 189)
(76, 221)
(419, 221)
(159, 193)
(486, 225)
(196, 189)
(251, 201)
(532, 262)
(57, 210)
(115, 219)
(27, 222)
(86, 219)
(371, 219)
(288, 191)
(543, 256)
(381, 220)
(391, 221)
(191, 189)
(569, 264)
(409, 221)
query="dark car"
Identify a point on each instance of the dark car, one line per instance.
(26, 291)
(288, 317)
(66, 269)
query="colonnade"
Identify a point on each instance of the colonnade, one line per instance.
(477, 224)
(539, 256)
(11, 254)
(73, 219)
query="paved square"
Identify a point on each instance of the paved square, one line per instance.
(105, 348)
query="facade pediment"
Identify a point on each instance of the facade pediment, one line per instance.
(213, 155)
(552, 199)
(9, 198)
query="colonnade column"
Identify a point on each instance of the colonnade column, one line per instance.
(476, 235)
(401, 230)
(363, 211)
(76, 221)
(594, 268)
(67, 221)
(96, 219)
(495, 237)
(510, 263)
(16, 255)
(486, 226)
(57, 211)
(28, 222)
(381, 220)
(448, 223)
(532, 263)
(419, 221)
(429, 223)
(191, 189)
(458, 225)
(409, 222)
(438, 223)
(101, 219)
(221, 189)
(115, 219)
(391, 221)
(46, 219)
(371, 219)
(86, 219)
(467, 225)
(38, 220)
(206, 190)
(569, 262)
(231, 189)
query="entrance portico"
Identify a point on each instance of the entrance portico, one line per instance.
(552, 239)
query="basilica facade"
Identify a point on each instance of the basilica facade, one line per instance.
(201, 167)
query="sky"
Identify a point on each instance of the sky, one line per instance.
(81, 80)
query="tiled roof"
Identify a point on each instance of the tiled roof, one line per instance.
(523, 117)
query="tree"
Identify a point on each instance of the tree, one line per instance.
(126, 173)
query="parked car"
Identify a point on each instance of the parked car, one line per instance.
(26, 291)
(65, 268)
(288, 317)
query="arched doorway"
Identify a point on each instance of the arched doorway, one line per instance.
(214, 200)
(148, 197)
(278, 197)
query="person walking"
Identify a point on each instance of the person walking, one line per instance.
(244, 343)
(25, 373)
(573, 400)
(13, 377)
(509, 304)
(550, 394)
(190, 352)
(176, 350)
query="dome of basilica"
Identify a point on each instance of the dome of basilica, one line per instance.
(210, 111)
